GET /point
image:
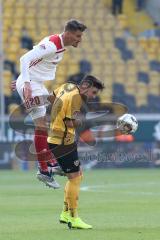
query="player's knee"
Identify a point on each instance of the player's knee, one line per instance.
(40, 123)
(77, 176)
(76, 181)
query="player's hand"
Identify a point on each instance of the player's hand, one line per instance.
(51, 99)
(27, 91)
(13, 85)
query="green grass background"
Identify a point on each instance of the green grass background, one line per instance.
(120, 204)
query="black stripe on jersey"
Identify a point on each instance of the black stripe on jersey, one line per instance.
(65, 131)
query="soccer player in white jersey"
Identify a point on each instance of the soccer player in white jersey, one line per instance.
(37, 66)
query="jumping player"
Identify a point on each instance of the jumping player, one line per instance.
(37, 66)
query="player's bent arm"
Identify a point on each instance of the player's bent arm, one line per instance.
(27, 91)
(24, 68)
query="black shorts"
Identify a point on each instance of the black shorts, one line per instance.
(66, 156)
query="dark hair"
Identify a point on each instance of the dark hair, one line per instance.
(73, 25)
(93, 81)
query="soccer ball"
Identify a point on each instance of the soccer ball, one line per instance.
(127, 123)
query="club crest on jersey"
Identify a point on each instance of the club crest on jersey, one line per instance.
(76, 163)
(43, 46)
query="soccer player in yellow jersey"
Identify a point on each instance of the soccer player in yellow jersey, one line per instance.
(65, 117)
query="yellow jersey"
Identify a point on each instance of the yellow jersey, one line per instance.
(67, 104)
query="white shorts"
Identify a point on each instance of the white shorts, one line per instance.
(38, 91)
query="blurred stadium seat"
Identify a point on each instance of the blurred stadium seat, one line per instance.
(116, 55)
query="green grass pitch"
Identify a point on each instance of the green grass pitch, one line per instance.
(120, 204)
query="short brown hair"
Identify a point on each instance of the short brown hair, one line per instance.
(93, 81)
(73, 25)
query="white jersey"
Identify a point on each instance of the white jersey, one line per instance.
(40, 63)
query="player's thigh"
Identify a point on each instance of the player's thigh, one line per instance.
(38, 89)
(67, 157)
(35, 106)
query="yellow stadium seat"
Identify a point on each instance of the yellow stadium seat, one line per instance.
(119, 33)
(143, 66)
(119, 79)
(142, 88)
(131, 78)
(72, 68)
(31, 4)
(120, 68)
(13, 48)
(130, 89)
(14, 40)
(8, 3)
(141, 94)
(66, 12)
(22, 51)
(12, 56)
(7, 23)
(152, 54)
(115, 55)
(20, 4)
(143, 43)
(100, 14)
(106, 95)
(155, 90)
(78, 12)
(30, 24)
(97, 69)
(154, 78)
(108, 69)
(123, 21)
(61, 79)
(31, 13)
(13, 107)
(107, 79)
(19, 13)
(67, 4)
(131, 67)
(18, 25)
(61, 72)
(7, 91)
(154, 43)
(141, 101)
(7, 76)
(131, 43)
(8, 13)
(43, 4)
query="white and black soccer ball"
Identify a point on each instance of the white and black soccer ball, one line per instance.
(127, 123)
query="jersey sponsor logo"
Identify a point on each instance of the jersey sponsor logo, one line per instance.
(33, 63)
